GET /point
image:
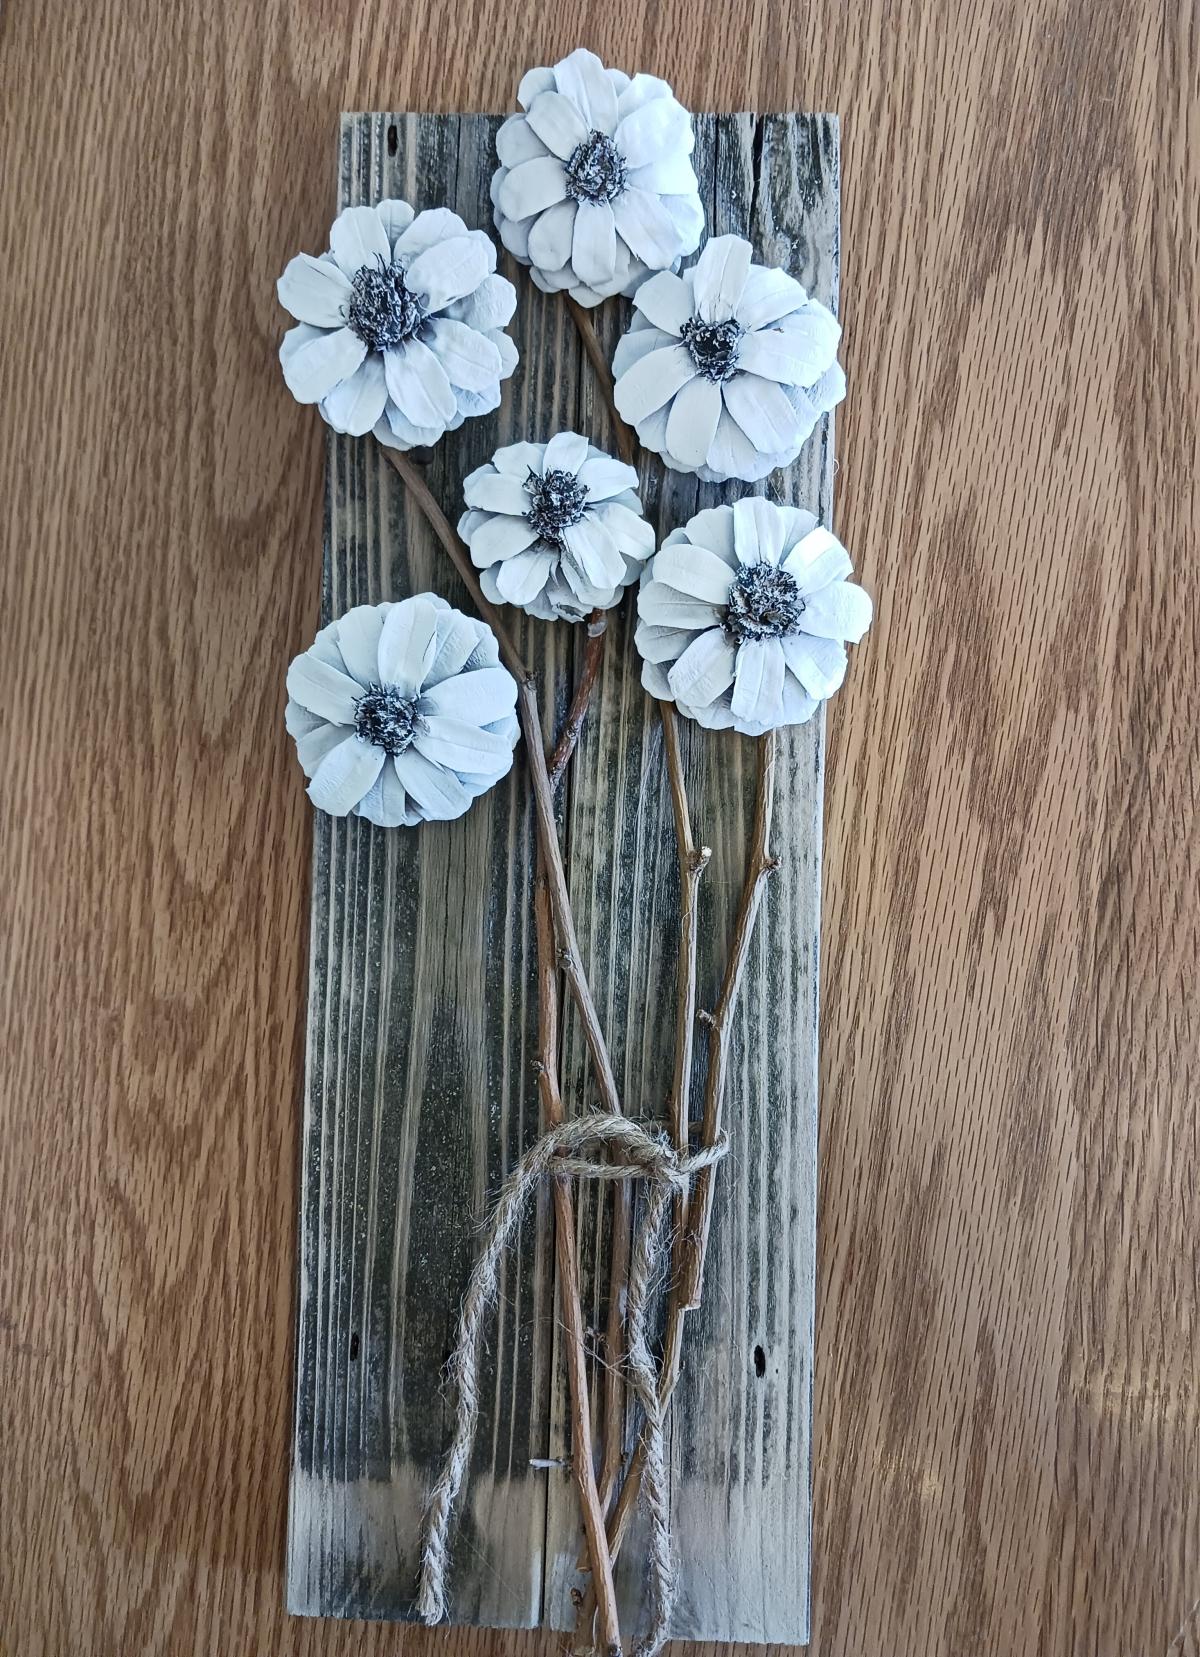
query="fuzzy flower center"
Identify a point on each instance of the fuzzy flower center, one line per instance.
(595, 169)
(556, 501)
(386, 718)
(764, 603)
(714, 346)
(383, 312)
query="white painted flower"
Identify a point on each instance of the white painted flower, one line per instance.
(402, 712)
(727, 367)
(745, 614)
(401, 324)
(596, 186)
(556, 528)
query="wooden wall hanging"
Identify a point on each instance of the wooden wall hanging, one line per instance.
(420, 1093)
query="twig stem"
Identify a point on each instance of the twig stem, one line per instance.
(693, 1239)
(593, 652)
(568, 1269)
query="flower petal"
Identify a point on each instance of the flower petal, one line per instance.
(665, 301)
(662, 606)
(565, 452)
(583, 79)
(638, 343)
(460, 746)
(694, 571)
(842, 611)
(407, 644)
(469, 358)
(632, 533)
(819, 664)
(595, 553)
(418, 385)
(551, 236)
(520, 578)
(763, 413)
(712, 529)
(692, 423)
(432, 225)
(312, 367)
(500, 538)
(357, 238)
(315, 291)
(345, 775)
(516, 141)
(558, 123)
(732, 455)
(312, 747)
(758, 683)
(705, 669)
(655, 129)
(480, 697)
(661, 644)
(438, 793)
(448, 270)
(769, 294)
(796, 355)
(759, 531)
(646, 227)
(356, 404)
(817, 561)
(395, 216)
(653, 381)
(603, 477)
(385, 804)
(459, 640)
(493, 491)
(666, 175)
(532, 187)
(594, 247)
(490, 306)
(532, 82)
(323, 690)
(517, 459)
(720, 276)
(358, 641)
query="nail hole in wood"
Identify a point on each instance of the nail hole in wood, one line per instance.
(354, 1347)
(760, 1362)
(393, 139)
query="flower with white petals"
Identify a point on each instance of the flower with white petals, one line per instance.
(727, 367)
(596, 186)
(402, 712)
(555, 528)
(745, 614)
(401, 324)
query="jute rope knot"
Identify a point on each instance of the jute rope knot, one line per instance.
(601, 1146)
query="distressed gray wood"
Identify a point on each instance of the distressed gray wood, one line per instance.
(422, 1005)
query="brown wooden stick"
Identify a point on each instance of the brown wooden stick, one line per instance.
(568, 1267)
(688, 1279)
(626, 440)
(597, 632)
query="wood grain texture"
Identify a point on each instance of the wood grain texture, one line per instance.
(1007, 1427)
(420, 1093)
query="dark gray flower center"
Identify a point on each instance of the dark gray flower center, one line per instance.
(595, 169)
(764, 603)
(714, 346)
(386, 718)
(556, 501)
(382, 310)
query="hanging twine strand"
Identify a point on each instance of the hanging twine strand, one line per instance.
(575, 1148)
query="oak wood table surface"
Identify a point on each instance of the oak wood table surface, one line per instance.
(1006, 1437)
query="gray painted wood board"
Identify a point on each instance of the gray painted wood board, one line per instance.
(419, 1085)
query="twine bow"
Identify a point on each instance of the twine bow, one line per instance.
(577, 1148)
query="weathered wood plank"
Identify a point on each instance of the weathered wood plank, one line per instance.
(419, 1091)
